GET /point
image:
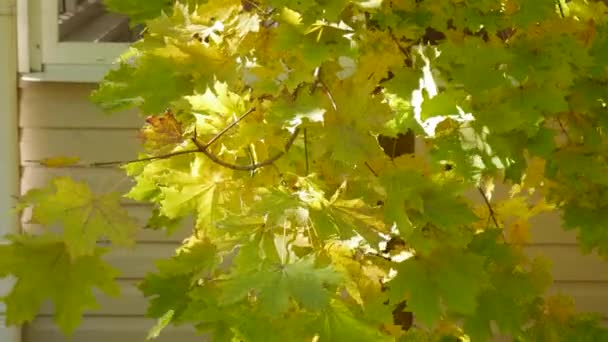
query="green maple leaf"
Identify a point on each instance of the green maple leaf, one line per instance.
(340, 324)
(45, 270)
(275, 286)
(137, 85)
(453, 279)
(169, 287)
(448, 212)
(293, 113)
(443, 104)
(516, 287)
(84, 216)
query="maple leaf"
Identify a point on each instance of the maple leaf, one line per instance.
(84, 216)
(161, 132)
(45, 270)
(168, 288)
(60, 161)
(453, 279)
(293, 113)
(129, 86)
(275, 285)
(340, 324)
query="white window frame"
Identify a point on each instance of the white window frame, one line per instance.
(43, 57)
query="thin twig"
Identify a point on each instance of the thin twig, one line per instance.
(328, 93)
(561, 8)
(319, 82)
(396, 41)
(125, 162)
(561, 126)
(485, 198)
(227, 128)
(370, 169)
(252, 159)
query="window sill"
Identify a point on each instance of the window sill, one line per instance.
(68, 73)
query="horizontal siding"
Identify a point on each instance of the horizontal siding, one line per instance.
(58, 120)
(588, 296)
(108, 329)
(570, 265)
(136, 262)
(90, 145)
(99, 179)
(67, 105)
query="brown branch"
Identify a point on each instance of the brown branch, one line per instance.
(250, 167)
(490, 209)
(204, 148)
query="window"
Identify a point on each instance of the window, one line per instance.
(70, 40)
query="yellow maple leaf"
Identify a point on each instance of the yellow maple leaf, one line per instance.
(560, 307)
(519, 232)
(535, 172)
(59, 161)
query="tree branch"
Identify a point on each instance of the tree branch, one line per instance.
(125, 162)
(250, 167)
(204, 148)
(490, 209)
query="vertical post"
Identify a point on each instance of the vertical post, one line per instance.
(9, 154)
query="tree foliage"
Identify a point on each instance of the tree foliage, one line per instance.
(285, 129)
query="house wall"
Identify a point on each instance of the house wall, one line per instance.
(57, 119)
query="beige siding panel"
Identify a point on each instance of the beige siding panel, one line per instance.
(90, 145)
(546, 228)
(108, 329)
(570, 265)
(588, 296)
(136, 262)
(100, 179)
(67, 105)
